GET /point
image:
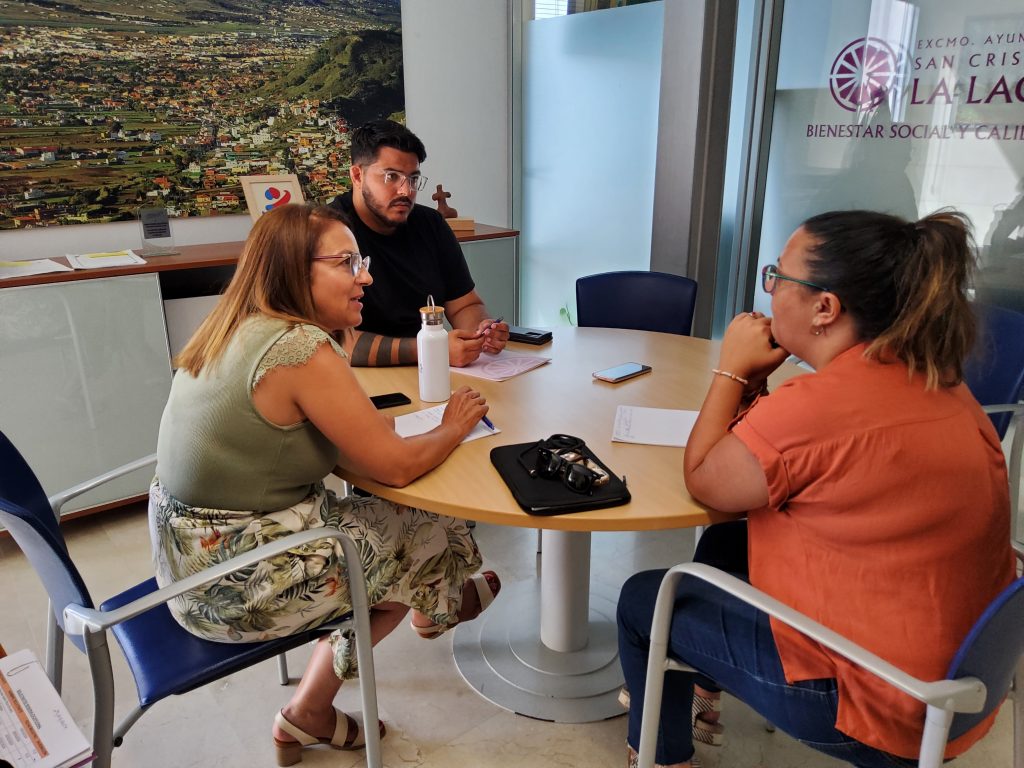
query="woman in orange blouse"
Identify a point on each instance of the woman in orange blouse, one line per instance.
(875, 492)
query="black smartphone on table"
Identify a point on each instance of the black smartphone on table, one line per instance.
(528, 335)
(622, 372)
(390, 400)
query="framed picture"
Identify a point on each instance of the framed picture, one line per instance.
(265, 193)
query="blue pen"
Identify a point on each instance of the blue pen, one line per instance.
(489, 326)
(487, 423)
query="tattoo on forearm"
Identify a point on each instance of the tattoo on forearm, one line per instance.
(361, 349)
(407, 351)
(384, 353)
(371, 349)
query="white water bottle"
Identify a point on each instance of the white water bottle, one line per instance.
(432, 351)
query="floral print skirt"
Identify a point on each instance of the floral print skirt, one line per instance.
(409, 556)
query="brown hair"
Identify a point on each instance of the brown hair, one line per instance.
(903, 283)
(272, 277)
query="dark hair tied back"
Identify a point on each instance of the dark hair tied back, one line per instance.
(903, 283)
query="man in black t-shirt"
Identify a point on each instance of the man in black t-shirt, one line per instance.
(414, 254)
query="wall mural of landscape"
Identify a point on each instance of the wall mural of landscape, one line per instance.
(109, 106)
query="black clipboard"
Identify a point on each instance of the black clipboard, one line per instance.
(547, 496)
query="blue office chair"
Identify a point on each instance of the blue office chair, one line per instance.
(995, 370)
(985, 668)
(164, 659)
(995, 375)
(641, 301)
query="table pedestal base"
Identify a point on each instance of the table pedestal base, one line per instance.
(501, 656)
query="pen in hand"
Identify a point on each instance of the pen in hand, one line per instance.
(489, 326)
(487, 423)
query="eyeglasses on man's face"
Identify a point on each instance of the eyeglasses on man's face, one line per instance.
(355, 261)
(396, 179)
(770, 275)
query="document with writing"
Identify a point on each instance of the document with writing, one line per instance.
(418, 422)
(35, 727)
(123, 258)
(653, 426)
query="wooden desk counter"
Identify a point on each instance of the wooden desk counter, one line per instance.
(199, 257)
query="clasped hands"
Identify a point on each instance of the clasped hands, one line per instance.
(465, 346)
(749, 351)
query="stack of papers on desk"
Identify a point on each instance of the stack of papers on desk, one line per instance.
(653, 426)
(503, 365)
(123, 258)
(30, 267)
(35, 727)
(418, 422)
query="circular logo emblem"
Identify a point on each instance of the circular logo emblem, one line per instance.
(863, 74)
(277, 197)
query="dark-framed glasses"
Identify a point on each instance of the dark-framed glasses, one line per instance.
(770, 275)
(355, 261)
(564, 459)
(397, 180)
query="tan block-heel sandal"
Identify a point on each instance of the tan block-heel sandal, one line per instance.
(487, 585)
(348, 735)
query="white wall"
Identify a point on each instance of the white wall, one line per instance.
(457, 100)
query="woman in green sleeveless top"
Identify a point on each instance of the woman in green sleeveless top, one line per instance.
(263, 406)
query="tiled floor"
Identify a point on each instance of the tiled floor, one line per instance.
(434, 719)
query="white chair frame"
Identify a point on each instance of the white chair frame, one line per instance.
(942, 697)
(92, 624)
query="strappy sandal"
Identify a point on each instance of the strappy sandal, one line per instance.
(487, 585)
(348, 735)
(710, 733)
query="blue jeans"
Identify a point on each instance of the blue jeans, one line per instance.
(732, 644)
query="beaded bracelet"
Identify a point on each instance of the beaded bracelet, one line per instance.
(730, 375)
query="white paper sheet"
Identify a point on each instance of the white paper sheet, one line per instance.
(503, 365)
(30, 267)
(35, 727)
(418, 422)
(653, 426)
(123, 258)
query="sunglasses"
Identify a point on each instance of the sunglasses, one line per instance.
(561, 457)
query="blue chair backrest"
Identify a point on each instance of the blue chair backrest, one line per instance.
(994, 372)
(642, 301)
(25, 512)
(990, 652)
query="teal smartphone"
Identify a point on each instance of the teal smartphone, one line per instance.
(622, 372)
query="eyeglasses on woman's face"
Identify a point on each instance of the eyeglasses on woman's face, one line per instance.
(770, 275)
(356, 261)
(396, 179)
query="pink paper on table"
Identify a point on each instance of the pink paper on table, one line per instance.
(501, 366)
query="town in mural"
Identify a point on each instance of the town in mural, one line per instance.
(107, 107)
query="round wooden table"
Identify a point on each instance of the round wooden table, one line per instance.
(550, 650)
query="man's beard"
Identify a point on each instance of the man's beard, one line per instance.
(380, 212)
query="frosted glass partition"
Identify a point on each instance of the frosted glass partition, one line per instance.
(906, 108)
(84, 377)
(590, 140)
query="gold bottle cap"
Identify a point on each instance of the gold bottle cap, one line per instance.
(432, 314)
